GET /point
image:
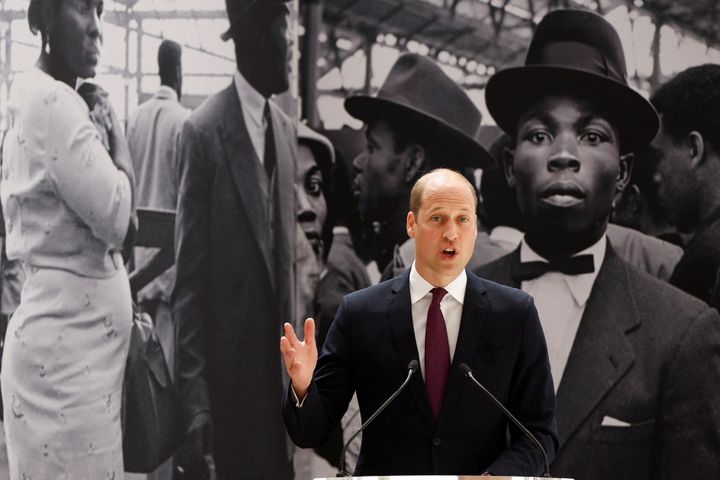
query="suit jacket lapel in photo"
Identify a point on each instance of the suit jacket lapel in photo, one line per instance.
(246, 171)
(600, 354)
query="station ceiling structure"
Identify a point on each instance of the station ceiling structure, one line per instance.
(485, 34)
(492, 34)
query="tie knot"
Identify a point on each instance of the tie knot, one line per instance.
(266, 112)
(438, 294)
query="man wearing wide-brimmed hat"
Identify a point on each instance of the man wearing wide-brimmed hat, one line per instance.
(634, 360)
(419, 120)
(235, 233)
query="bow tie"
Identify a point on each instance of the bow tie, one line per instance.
(568, 266)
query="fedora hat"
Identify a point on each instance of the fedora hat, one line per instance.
(238, 10)
(418, 90)
(574, 52)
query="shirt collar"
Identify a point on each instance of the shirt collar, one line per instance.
(508, 234)
(250, 99)
(580, 285)
(166, 92)
(419, 287)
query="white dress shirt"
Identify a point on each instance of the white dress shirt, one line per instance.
(560, 300)
(253, 109)
(451, 306)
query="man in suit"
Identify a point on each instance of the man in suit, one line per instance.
(419, 120)
(234, 246)
(635, 361)
(442, 316)
(687, 149)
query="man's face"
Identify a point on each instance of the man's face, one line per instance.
(266, 49)
(379, 184)
(676, 189)
(76, 36)
(566, 168)
(311, 206)
(444, 229)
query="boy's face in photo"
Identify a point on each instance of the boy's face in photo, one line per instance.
(566, 167)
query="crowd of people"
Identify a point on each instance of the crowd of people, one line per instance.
(571, 266)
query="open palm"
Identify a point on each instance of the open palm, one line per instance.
(300, 357)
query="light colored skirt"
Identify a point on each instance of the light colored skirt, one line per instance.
(62, 374)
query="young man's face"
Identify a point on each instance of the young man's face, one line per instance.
(380, 171)
(566, 168)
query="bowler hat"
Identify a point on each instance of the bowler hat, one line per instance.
(418, 90)
(238, 10)
(575, 52)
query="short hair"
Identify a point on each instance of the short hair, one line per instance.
(419, 188)
(169, 58)
(38, 14)
(691, 102)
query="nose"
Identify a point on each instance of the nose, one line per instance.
(451, 233)
(564, 154)
(305, 212)
(358, 163)
(95, 25)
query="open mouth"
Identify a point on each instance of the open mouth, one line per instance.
(449, 252)
(563, 194)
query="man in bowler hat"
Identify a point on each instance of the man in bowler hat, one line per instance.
(234, 254)
(419, 120)
(634, 360)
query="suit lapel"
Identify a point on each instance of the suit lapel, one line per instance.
(399, 313)
(600, 354)
(474, 317)
(283, 200)
(499, 270)
(246, 171)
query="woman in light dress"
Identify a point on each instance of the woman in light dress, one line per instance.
(68, 207)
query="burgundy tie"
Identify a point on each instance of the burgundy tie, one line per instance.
(437, 352)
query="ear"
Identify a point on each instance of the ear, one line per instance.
(697, 148)
(630, 200)
(508, 158)
(416, 155)
(410, 224)
(624, 171)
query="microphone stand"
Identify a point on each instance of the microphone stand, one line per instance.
(468, 373)
(412, 368)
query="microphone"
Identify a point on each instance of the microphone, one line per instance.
(412, 368)
(465, 369)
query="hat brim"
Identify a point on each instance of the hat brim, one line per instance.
(509, 93)
(462, 151)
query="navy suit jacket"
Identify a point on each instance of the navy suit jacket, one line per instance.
(368, 349)
(646, 354)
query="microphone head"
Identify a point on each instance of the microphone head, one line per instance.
(465, 369)
(413, 365)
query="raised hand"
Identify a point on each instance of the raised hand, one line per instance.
(300, 357)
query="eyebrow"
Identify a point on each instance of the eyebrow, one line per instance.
(314, 169)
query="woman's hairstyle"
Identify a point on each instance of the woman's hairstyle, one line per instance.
(39, 11)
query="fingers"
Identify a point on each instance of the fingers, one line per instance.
(290, 335)
(310, 333)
